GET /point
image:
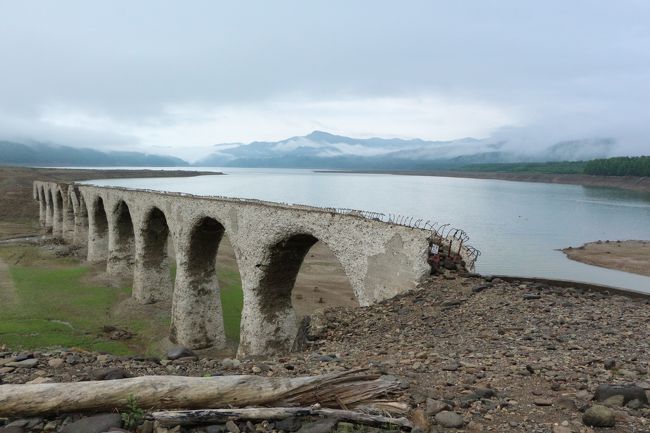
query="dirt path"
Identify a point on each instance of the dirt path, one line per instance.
(628, 256)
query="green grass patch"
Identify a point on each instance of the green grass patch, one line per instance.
(60, 302)
(55, 308)
(232, 301)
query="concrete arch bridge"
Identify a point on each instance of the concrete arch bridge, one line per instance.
(129, 229)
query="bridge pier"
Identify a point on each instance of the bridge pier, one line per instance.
(68, 218)
(97, 231)
(197, 316)
(152, 275)
(121, 241)
(41, 206)
(80, 234)
(57, 219)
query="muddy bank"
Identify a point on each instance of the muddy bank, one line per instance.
(628, 256)
(641, 184)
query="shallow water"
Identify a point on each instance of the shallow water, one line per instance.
(518, 226)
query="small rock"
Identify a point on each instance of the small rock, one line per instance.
(480, 288)
(561, 429)
(629, 393)
(109, 374)
(94, 424)
(543, 402)
(232, 427)
(26, 363)
(73, 359)
(614, 401)
(178, 352)
(449, 419)
(435, 406)
(609, 364)
(599, 416)
(55, 362)
(41, 380)
(531, 296)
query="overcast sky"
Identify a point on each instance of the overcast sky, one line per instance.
(172, 77)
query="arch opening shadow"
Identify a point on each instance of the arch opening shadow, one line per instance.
(58, 212)
(101, 222)
(305, 275)
(49, 203)
(154, 273)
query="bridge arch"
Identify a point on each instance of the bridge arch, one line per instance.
(121, 241)
(269, 321)
(152, 279)
(97, 231)
(197, 313)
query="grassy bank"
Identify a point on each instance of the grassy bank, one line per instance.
(51, 301)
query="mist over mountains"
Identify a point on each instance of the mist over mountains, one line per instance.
(324, 150)
(320, 150)
(12, 153)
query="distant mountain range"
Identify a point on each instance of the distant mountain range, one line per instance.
(328, 151)
(320, 150)
(12, 153)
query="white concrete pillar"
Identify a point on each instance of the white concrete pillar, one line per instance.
(97, 231)
(152, 277)
(197, 316)
(121, 241)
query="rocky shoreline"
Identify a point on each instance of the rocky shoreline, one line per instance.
(479, 354)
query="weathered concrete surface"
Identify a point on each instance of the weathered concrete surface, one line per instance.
(131, 228)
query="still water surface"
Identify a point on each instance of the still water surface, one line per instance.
(518, 226)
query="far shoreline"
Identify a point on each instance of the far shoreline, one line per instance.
(633, 183)
(631, 256)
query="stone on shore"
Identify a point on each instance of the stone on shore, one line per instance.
(599, 416)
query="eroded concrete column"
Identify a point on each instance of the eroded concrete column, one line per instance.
(152, 278)
(269, 324)
(80, 219)
(68, 219)
(57, 218)
(197, 316)
(97, 231)
(121, 241)
(41, 207)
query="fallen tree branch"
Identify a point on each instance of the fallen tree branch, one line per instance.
(178, 392)
(204, 416)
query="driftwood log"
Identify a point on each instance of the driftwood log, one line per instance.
(336, 390)
(191, 417)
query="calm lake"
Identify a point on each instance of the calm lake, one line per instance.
(518, 226)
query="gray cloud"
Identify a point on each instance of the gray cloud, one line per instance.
(563, 69)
